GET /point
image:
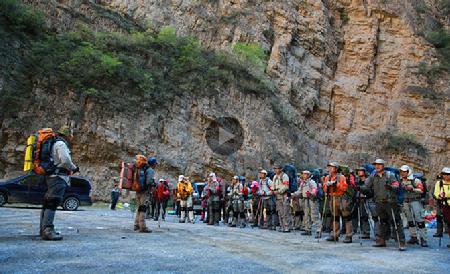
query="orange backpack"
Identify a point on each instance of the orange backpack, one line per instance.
(141, 161)
(139, 182)
(42, 151)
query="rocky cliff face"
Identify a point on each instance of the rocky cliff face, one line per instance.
(347, 74)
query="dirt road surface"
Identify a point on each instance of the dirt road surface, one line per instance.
(98, 240)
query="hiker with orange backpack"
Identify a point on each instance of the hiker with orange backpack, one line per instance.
(335, 186)
(53, 160)
(143, 180)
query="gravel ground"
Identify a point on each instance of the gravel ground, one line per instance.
(98, 240)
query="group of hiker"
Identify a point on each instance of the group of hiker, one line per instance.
(339, 202)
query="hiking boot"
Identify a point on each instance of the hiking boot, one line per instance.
(423, 242)
(365, 236)
(49, 234)
(347, 240)
(439, 230)
(413, 241)
(380, 242)
(306, 233)
(145, 230)
(402, 246)
(233, 222)
(332, 239)
(438, 234)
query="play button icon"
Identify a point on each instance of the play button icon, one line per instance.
(224, 135)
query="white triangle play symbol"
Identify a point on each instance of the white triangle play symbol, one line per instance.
(224, 136)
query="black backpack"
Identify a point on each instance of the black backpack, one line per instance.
(45, 154)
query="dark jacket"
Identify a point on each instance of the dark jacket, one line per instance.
(383, 189)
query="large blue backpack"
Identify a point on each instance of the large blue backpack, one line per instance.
(292, 174)
(142, 178)
(316, 177)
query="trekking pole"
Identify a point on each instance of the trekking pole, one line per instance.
(359, 225)
(415, 223)
(309, 213)
(261, 212)
(395, 225)
(334, 218)
(440, 238)
(369, 214)
(323, 217)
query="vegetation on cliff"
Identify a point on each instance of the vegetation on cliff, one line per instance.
(118, 69)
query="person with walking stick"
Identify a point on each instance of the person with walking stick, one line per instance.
(412, 206)
(442, 195)
(335, 184)
(384, 186)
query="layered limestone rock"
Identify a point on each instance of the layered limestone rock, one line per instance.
(345, 72)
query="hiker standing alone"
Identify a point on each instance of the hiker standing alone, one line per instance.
(115, 194)
(145, 178)
(57, 183)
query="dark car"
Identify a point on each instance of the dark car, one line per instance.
(30, 189)
(196, 196)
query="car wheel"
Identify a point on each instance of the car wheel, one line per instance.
(3, 198)
(71, 203)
